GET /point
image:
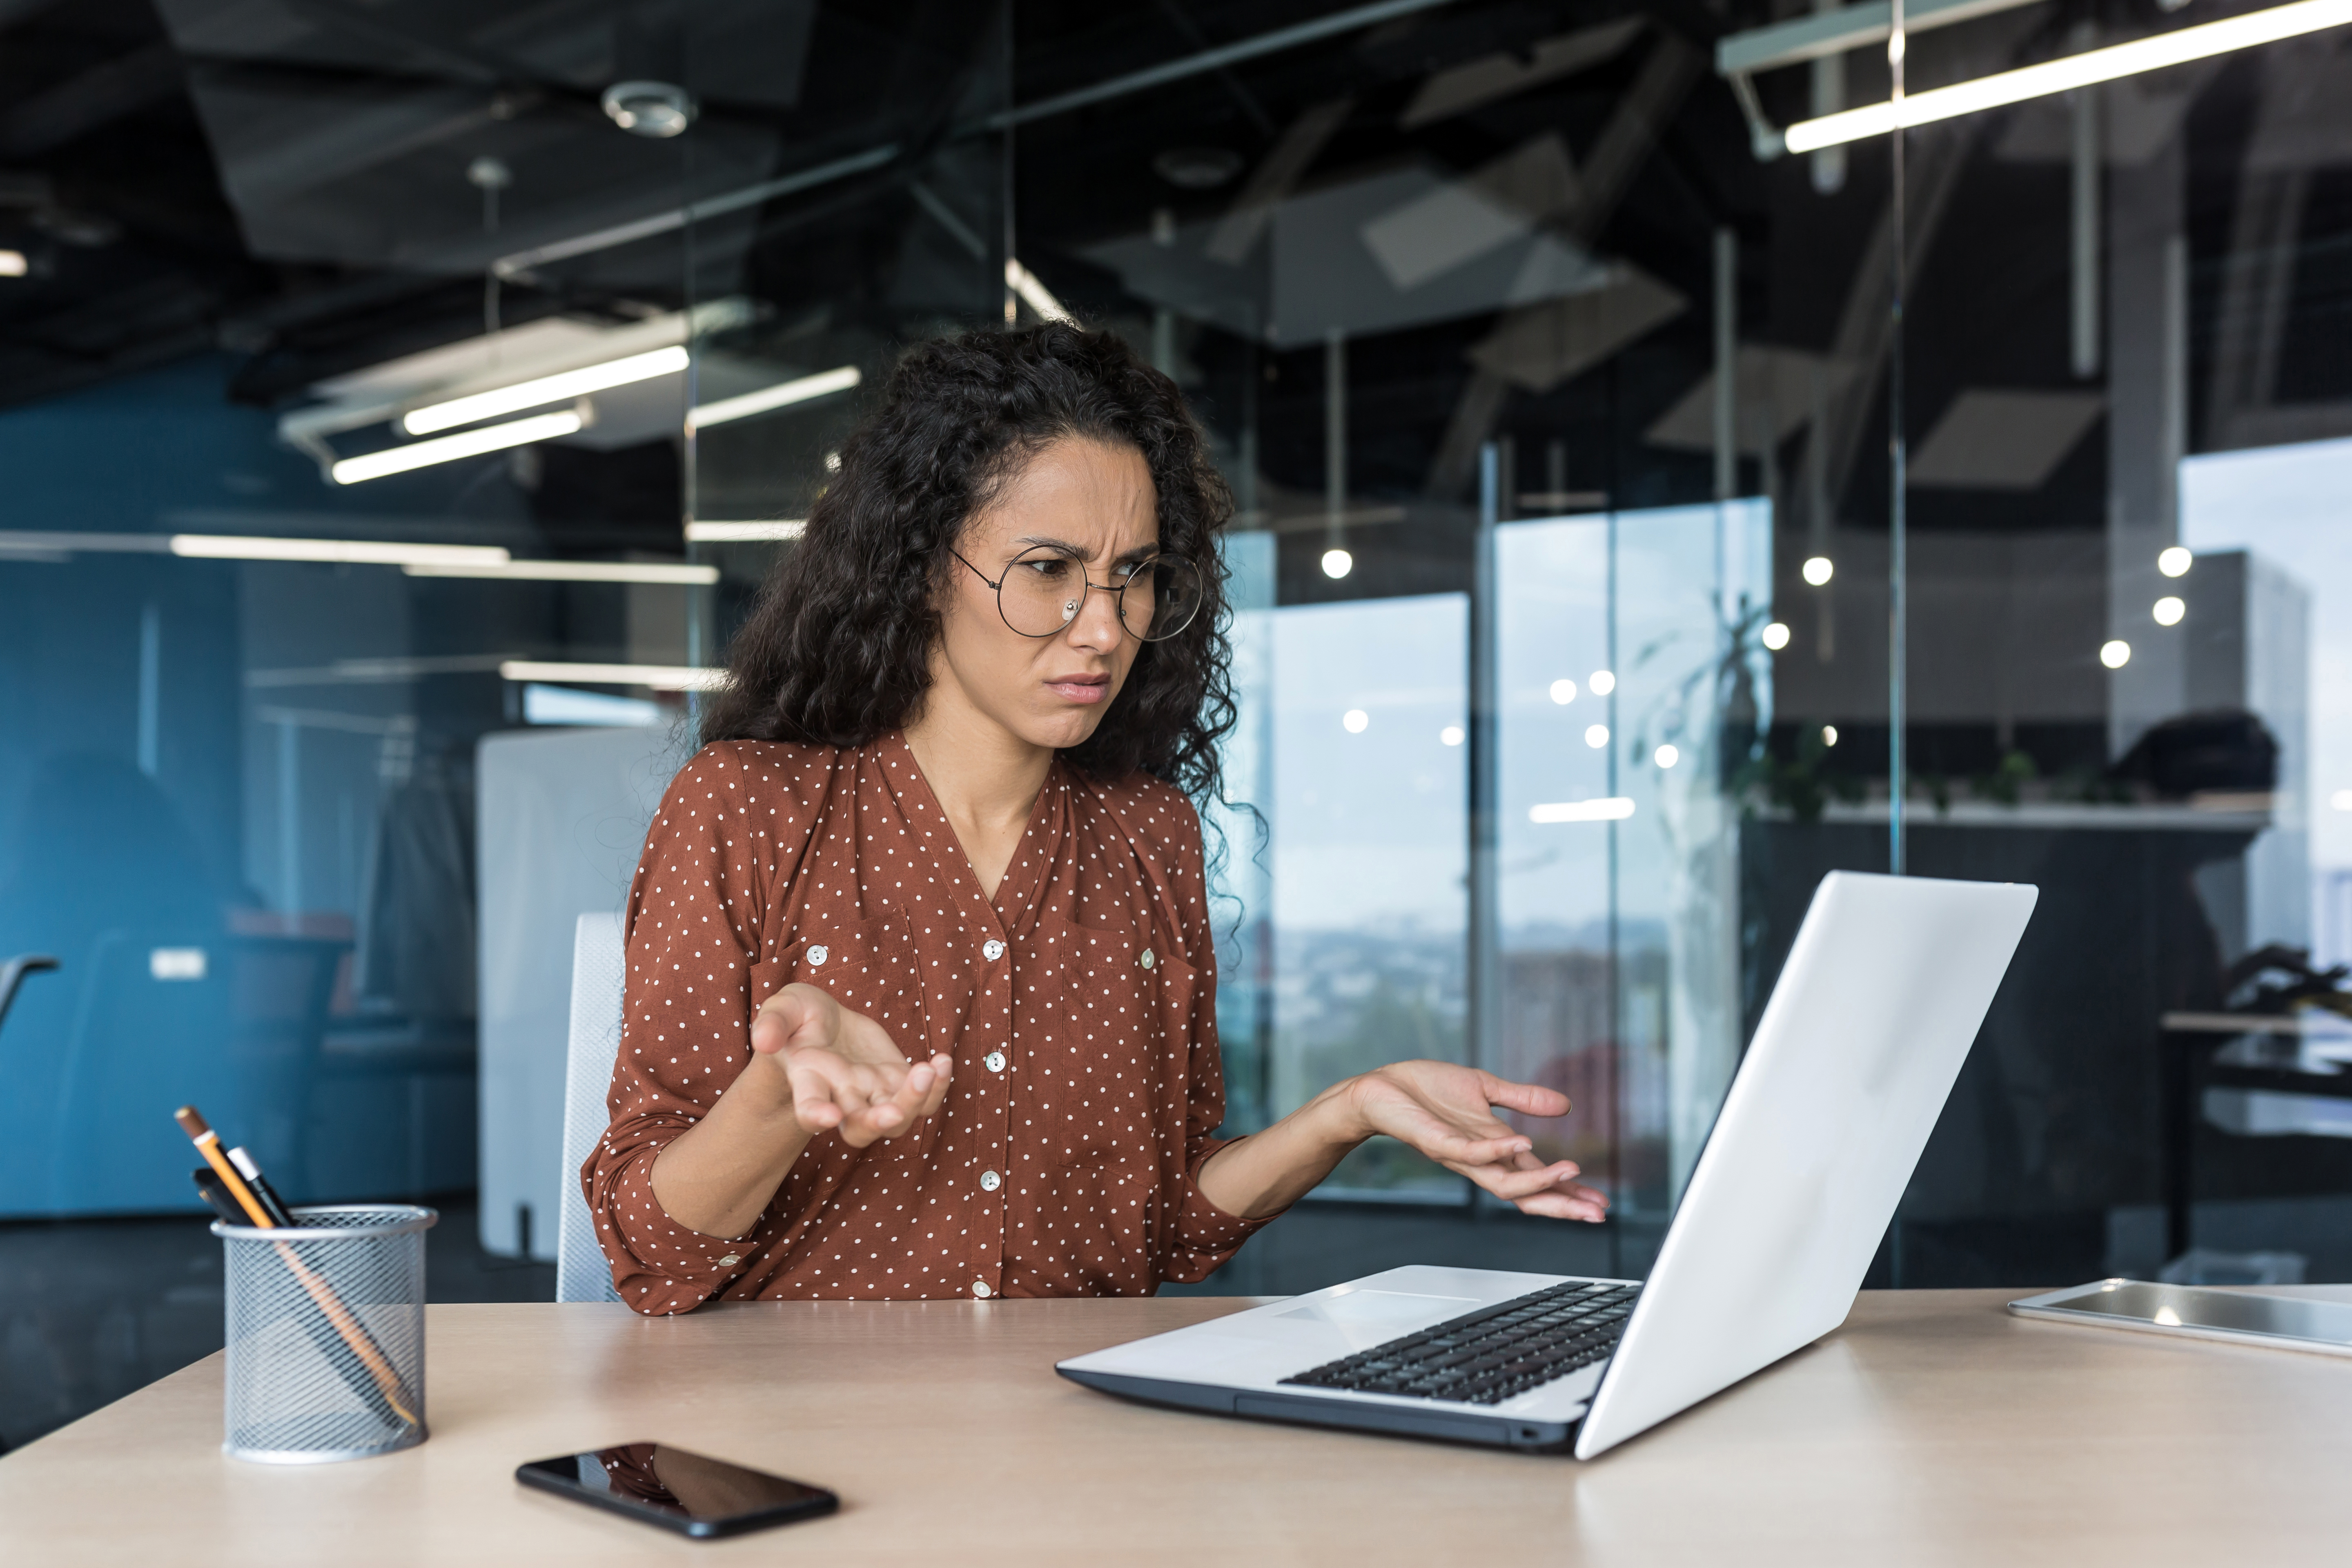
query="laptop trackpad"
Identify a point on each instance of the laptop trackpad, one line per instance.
(1382, 1309)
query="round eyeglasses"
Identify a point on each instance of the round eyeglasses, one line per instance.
(1040, 593)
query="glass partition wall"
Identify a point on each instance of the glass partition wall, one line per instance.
(1459, 291)
(1610, 560)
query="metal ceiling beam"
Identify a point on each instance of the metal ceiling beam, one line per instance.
(1210, 59)
(1834, 32)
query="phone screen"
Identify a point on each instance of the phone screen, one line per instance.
(671, 1487)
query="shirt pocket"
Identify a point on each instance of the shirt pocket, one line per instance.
(868, 966)
(1106, 1059)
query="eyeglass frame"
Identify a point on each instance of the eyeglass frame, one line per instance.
(1118, 593)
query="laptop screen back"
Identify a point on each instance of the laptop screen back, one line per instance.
(1884, 989)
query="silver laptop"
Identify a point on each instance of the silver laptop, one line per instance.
(1884, 989)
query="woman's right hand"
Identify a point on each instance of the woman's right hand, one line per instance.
(843, 1070)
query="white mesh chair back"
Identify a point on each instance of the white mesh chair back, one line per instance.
(599, 964)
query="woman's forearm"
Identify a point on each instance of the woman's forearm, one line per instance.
(1267, 1172)
(718, 1174)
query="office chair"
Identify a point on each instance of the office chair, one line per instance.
(599, 966)
(166, 1017)
(12, 974)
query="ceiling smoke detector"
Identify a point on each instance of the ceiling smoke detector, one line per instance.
(656, 109)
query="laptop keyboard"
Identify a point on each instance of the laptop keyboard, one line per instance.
(1491, 1354)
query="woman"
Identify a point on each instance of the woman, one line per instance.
(921, 984)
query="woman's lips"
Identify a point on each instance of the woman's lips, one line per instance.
(1080, 687)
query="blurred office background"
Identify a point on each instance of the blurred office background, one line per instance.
(337, 676)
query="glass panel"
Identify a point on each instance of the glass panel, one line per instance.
(1633, 688)
(1370, 853)
(1368, 256)
(2125, 422)
(810, 279)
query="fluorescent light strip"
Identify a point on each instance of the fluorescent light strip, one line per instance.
(1611, 808)
(554, 388)
(449, 449)
(744, 532)
(2173, 48)
(1035, 295)
(781, 395)
(338, 552)
(660, 676)
(575, 572)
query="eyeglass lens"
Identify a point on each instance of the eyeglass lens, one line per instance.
(1041, 593)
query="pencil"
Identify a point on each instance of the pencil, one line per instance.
(354, 1335)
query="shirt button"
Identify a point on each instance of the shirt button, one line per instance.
(729, 1261)
(980, 1288)
(991, 950)
(817, 956)
(993, 1061)
(989, 1181)
(1147, 959)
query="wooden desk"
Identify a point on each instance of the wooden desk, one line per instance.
(1934, 1428)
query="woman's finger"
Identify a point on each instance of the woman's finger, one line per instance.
(918, 1094)
(796, 1015)
(1445, 1144)
(1532, 1099)
(1513, 1186)
(942, 1067)
(1565, 1206)
(825, 1089)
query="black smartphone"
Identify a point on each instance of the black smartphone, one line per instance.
(690, 1494)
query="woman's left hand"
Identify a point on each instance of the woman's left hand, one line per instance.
(1447, 1111)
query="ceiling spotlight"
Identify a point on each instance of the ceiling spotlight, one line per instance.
(2168, 610)
(1354, 721)
(1197, 168)
(1563, 692)
(1453, 736)
(488, 174)
(2114, 654)
(1819, 570)
(1338, 563)
(1596, 736)
(1667, 756)
(13, 264)
(1776, 636)
(656, 109)
(1602, 683)
(2174, 561)
(1829, 734)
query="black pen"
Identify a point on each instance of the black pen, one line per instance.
(216, 1197)
(267, 1195)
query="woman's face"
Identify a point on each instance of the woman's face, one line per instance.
(1078, 508)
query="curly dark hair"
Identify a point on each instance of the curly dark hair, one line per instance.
(836, 651)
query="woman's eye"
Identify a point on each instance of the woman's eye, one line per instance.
(1049, 568)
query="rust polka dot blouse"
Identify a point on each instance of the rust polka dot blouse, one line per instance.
(1078, 1005)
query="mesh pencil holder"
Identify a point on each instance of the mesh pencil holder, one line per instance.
(326, 1334)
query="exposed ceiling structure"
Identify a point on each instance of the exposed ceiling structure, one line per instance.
(1515, 203)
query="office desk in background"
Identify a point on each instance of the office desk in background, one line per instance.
(1934, 1428)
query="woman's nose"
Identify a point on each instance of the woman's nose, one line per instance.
(1096, 625)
